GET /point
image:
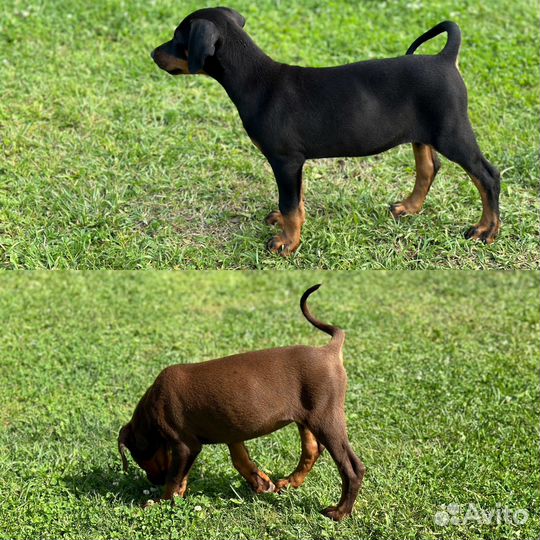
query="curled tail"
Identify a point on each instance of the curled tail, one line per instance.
(338, 335)
(451, 49)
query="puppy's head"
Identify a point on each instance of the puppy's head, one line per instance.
(152, 455)
(196, 39)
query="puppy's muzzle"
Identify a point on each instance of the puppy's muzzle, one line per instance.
(169, 63)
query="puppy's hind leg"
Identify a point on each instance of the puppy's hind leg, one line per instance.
(258, 481)
(333, 434)
(487, 181)
(311, 450)
(463, 149)
(427, 165)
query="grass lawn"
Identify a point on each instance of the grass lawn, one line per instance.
(442, 403)
(106, 161)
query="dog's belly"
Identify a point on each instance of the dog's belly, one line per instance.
(352, 129)
(334, 139)
(227, 433)
(353, 147)
(356, 130)
(233, 424)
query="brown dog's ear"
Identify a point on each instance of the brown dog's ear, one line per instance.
(234, 15)
(202, 43)
(122, 444)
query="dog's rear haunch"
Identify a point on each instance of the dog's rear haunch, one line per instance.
(294, 113)
(240, 397)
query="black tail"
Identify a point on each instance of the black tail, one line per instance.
(337, 334)
(451, 49)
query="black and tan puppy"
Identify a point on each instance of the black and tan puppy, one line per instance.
(294, 113)
(240, 397)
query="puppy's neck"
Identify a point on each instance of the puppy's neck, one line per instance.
(242, 68)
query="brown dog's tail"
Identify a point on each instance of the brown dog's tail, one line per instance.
(338, 335)
(451, 49)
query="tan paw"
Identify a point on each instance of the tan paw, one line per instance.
(401, 209)
(484, 233)
(282, 245)
(334, 513)
(261, 483)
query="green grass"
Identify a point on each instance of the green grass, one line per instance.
(108, 162)
(442, 403)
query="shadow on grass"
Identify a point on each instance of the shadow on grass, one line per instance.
(232, 487)
(130, 488)
(105, 482)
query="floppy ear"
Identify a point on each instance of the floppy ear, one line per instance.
(122, 444)
(234, 15)
(202, 43)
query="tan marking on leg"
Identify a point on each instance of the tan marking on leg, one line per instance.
(274, 218)
(489, 225)
(311, 450)
(258, 480)
(288, 241)
(169, 493)
(183, 486)
(425, 173)
(172, 491)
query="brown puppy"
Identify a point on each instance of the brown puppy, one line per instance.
(240, 397)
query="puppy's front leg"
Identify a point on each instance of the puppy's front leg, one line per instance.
(182, 459)
(291, 214)
(258, 481)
